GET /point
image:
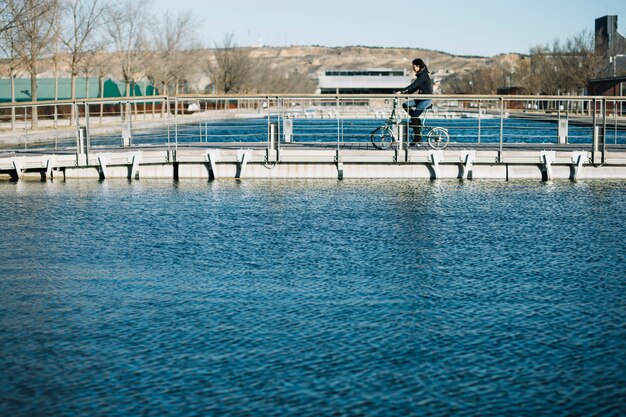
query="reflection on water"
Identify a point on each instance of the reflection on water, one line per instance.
(383, 297)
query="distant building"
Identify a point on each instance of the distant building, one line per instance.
(608, 40)
(363, 81)
(613, 86)
(612, 45)
(514, 90)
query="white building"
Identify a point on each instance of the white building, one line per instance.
(366, 81)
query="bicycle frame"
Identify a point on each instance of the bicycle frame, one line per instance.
(393, 118)
(383, 136)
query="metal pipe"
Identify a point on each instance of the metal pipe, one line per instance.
(176, 124)
(479, 117)
(501, 123)
(603, 130)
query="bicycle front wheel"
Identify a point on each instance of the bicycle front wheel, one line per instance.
(438, 138)
(381, 137)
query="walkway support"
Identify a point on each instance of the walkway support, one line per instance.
(17, 168)
(547, 159)
(134, 159)
(102, 166)
(467, 163)
(578, 158)
(212, 156)
(435, 157)
(50, 165)
(243, 157)
(339, 162)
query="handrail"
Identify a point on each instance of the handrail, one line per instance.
(425, 96)
(471, 118)
(465, 97)
(104, 100)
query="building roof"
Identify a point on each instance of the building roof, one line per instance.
(364, 79)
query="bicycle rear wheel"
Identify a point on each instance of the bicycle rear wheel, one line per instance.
(438, 138)
(382, 137)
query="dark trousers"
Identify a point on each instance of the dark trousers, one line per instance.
(415, 108)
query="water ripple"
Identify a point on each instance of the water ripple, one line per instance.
(312, 298)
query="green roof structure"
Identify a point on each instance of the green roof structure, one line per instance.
(85, 88)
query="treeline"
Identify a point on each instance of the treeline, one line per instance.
(565, 67)
(124, 40)
(103, 37)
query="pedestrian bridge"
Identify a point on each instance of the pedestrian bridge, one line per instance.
(494, 137)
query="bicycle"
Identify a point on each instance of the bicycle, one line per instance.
(383, 136)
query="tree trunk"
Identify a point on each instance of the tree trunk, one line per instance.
(101, 94)
(127, 94)
(33, 91)
(165, 107)
(73, 97)
(56, 93)
(12, 75)
(154, 94)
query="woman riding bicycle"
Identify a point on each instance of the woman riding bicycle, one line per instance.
(423, 85)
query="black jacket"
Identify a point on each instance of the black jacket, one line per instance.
(422, 84)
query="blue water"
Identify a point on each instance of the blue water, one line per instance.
(357, 130)
(310, 298)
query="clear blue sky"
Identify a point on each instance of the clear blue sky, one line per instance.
(462, 27)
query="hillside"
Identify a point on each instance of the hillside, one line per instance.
(311, 60)
(319, 58)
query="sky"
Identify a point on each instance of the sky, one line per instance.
(460, 27)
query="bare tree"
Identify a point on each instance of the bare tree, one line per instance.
(174, 34)
(524, 76)
(80, 23)
(10, 13)
(482, 80)
(563, 68)
(9, 38)
(230, 67)
(578, 62)
(126, 25)
(35, 28)
(269, 78)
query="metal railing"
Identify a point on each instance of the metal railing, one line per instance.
(336, 119)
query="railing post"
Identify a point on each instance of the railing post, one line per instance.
(598, 146)
(87, 138)
(81, 138)
(273, 143)
(604, 130)
(479, 115)
(176, 123)
(400, 131)
(501, 127)
(126, 126)
(562, 131)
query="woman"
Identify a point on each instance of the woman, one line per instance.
(422, 85)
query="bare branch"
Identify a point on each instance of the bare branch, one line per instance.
(231, 66)
(126, 25)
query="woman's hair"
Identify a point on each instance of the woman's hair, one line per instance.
(420, 62)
